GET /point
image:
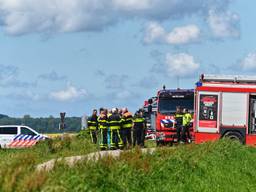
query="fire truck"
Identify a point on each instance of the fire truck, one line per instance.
(167, 101)
(225, 106)
(150, 108)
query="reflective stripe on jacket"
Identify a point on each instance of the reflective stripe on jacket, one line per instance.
(179, 118)
(139, 122)
(102, 121)
(92, 122)
(127, 120)
(114, 121)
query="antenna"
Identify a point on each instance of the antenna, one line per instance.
(178, 82)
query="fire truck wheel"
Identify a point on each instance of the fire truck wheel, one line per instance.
(234, 136)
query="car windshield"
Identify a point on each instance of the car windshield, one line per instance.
(168, 105)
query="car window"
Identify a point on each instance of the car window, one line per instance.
(26, 131)
(8, 130)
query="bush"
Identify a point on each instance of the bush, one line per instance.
(83, 134)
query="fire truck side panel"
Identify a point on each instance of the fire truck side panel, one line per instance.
(231, 115)
(234, 109)
(207, 120)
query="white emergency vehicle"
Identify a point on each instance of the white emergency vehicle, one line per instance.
(19, 136)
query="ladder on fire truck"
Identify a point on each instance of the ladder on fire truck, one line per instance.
(228, 78)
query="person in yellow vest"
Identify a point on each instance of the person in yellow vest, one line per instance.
(115, 123)
(93, 126)
(127, 128)
(187, 117)
(103, 127)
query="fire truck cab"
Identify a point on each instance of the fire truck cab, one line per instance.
(167, 101)
(225, 106)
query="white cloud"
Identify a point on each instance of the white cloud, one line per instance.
(249, 62)
(182, 35)
(179, 35)
(69, 94)
(154, 33)
(182, 65)
(19, 17)
(224, 24)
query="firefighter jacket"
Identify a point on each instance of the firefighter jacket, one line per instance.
(114, 121)
(127, 120)
(138, 122)
(187, 117)
(179, 119)
(103, 122)
(93, 122)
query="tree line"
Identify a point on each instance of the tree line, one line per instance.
(43, 124)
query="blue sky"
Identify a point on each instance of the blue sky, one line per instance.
(62, 55)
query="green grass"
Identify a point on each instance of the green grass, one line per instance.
(219, 166)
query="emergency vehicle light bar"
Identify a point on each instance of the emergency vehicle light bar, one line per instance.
(228, 78)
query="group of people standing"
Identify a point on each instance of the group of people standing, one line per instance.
(119, 125)
(183, 123)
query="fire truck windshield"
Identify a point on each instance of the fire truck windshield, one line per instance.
(168, 105)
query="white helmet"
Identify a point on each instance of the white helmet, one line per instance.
(113, 110)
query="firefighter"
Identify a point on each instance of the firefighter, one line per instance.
(145, 127)
(93, 126)
(115, 122)
(138, 128)
(126, 128)
(101, 110)
(103, 127)
(179, 122)
(187, 117)
(108, 112)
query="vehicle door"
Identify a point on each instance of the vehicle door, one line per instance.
(7, 135)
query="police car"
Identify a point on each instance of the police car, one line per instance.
(18, 136)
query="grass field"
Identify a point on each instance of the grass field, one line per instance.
(220, 166)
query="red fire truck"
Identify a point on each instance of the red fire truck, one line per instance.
(167, 101)
(225, 106)
(150, 108)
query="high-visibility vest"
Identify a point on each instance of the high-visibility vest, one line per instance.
(187, 117)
